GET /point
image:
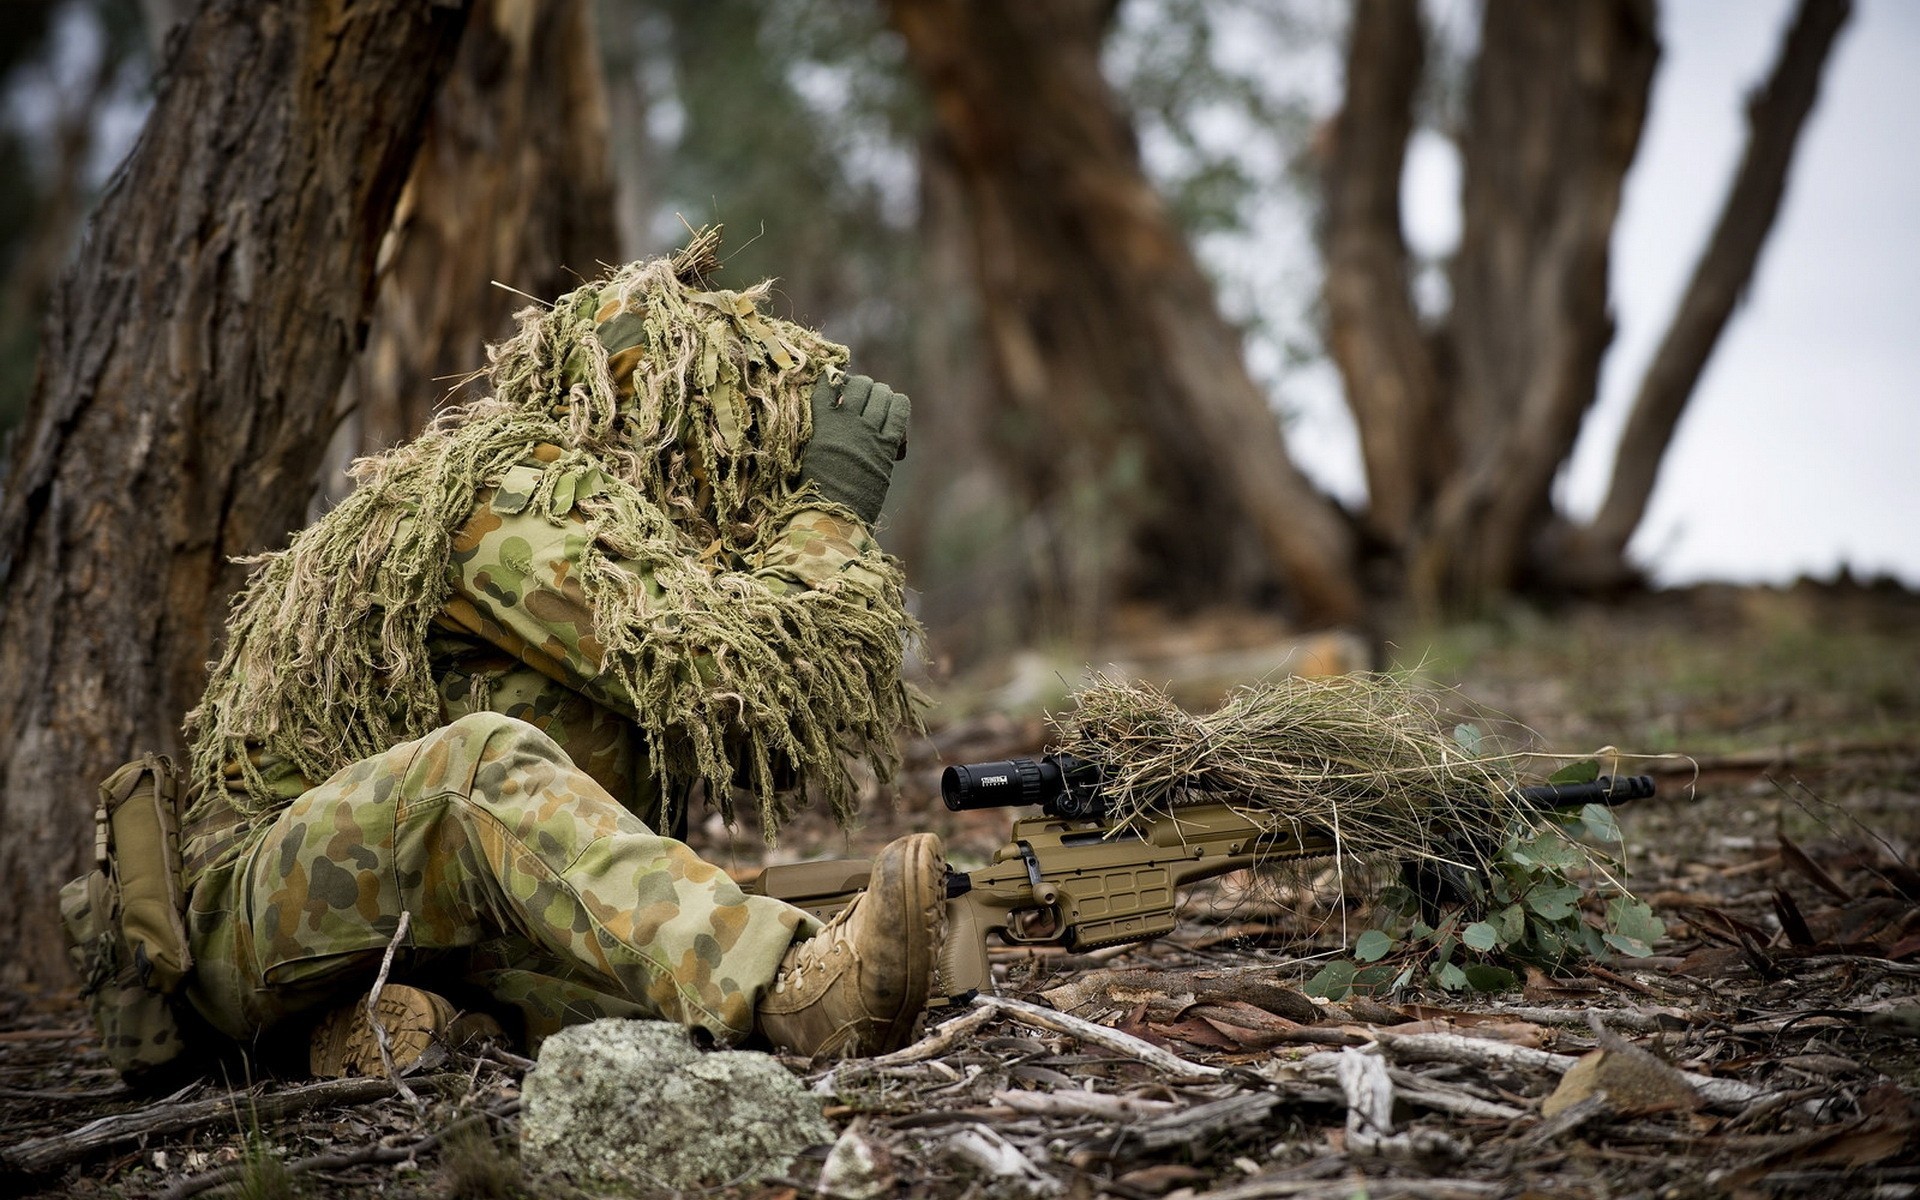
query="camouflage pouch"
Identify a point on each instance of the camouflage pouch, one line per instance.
(126, 935)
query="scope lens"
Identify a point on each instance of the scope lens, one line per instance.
(1002, 784)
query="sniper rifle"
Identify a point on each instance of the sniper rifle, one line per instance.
(1073, 877)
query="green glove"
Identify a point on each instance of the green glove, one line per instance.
(859, 432)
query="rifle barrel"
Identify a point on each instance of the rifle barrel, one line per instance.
(1608, 790)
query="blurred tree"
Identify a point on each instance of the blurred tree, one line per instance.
(512, 183)
(1464, 422)
(1120, 411)
(62, 67)
(1130, 423)
(186, 389)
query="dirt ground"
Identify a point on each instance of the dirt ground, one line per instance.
(1770, 1045)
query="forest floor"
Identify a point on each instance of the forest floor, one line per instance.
(1769, 1046)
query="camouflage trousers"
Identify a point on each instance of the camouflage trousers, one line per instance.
(524, 879)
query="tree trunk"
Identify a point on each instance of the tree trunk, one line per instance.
(188, 375)
(1128, 409)
(1372, 329)
(512, 184)
(1558, 100)
(1596, 555)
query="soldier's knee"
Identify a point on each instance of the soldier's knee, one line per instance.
(488, 735)
(478, 751)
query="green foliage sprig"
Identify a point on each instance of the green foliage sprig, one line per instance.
(1523, 908)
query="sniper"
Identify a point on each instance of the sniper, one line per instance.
(456, 721)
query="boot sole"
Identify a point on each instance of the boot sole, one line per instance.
(345, 1044)
(922, 885)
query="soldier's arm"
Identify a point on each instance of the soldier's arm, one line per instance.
(515, 581)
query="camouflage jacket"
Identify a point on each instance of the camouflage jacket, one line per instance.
(516, 637)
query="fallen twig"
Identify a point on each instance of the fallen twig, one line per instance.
(1476, 1052)
(193, 1185)
(44, 1153)
(1085, 1104)
(1100, 1035)
(380, 1027)
(1567, 1120)
(938, 1041)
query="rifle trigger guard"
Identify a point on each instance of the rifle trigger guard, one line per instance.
(1041, 892)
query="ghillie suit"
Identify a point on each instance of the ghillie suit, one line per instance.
(476, 692)
(1365, 757)
(672, 420)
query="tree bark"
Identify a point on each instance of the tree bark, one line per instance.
(1596, 556)
(192, 356)
(1373, 331)
(1107, 342)
(1558, 101)
(512, 183)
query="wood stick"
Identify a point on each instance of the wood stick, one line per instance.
(1195, 1125)
(1067, 1103)
(1578, 1018)
(193, 1185)
(1567, 1120)
(938, 1041)
(44, 1153)
(1415, 1090)
(379, 1026)
(1477, 1052)
(1343, 1189)
(1100, 1035)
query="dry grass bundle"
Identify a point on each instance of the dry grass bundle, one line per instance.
(1366, 757)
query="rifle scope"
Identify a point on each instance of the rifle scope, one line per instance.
(1062, 785)
(1067, 787)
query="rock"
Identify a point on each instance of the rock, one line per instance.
(634, 1107)
(1636, 1083)
(858, 1167)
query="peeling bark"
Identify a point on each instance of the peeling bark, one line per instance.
(512, 183)
(187, 383)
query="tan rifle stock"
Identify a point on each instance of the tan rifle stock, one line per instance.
(1077, 884)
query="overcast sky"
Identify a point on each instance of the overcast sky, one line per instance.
(1801, 448)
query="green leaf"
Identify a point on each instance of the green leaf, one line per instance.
(1554, 903)
(1450, 977)
(1480, 936)
(1333, 981)
(1402, 979)
(1584, 771)
(1634, 919)
(1469, 738)
(1375, 979)
(1372, 946)
(1485, 978)
(1600, 823)
(1511, 924)
(1591, 942)
(1399, 899)
(1629, 946)
(1555, 852)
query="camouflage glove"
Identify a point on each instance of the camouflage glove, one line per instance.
(859, 432)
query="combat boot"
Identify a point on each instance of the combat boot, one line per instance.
(857, 987)
(416, 1022)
